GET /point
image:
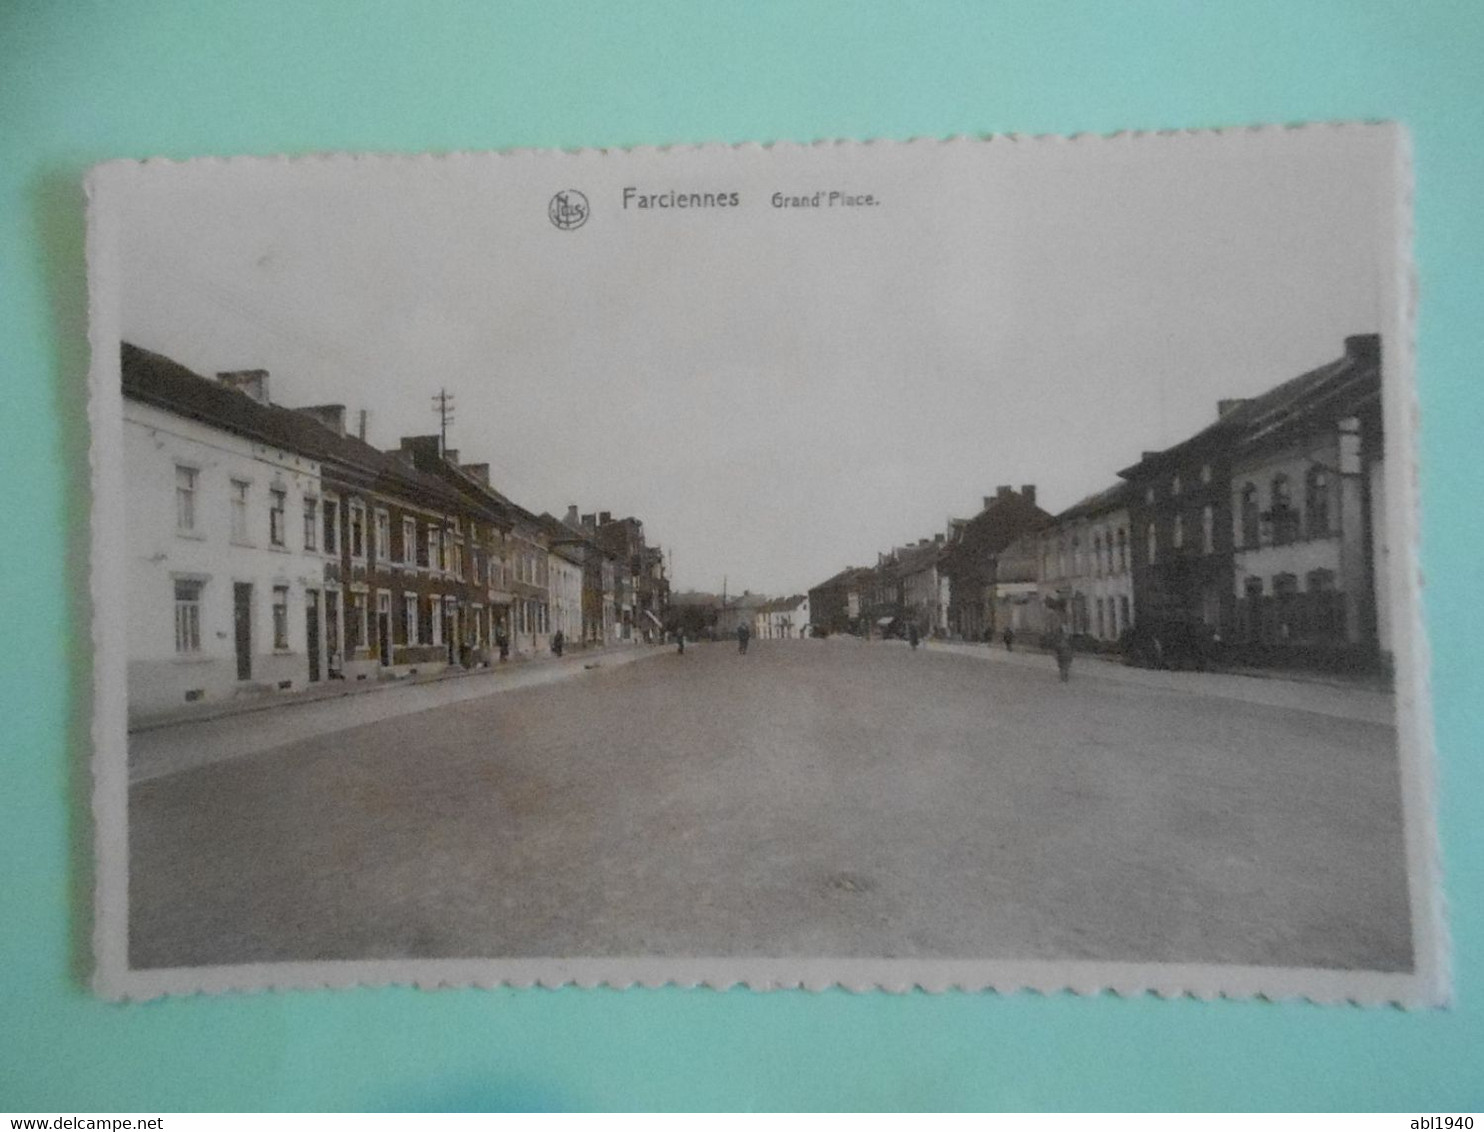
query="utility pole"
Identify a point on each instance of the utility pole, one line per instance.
(444, 407)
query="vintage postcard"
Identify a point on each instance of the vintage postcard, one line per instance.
(985, 563)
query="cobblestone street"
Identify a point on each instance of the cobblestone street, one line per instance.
(809, 798)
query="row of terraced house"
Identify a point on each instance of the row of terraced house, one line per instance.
(273, 548)
(1260, 538)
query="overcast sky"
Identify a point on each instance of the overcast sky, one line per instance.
(776, 393)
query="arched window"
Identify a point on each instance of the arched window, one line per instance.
(1122, 549)
(1097, 554)
(1177, 535)
(1316, 501)
(1153, 546)
(1251, 528)
(1208, 529)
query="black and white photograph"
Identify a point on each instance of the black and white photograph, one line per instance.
(977, 563)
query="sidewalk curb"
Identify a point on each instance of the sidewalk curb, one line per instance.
(271, 702)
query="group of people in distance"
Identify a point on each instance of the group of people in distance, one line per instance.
(1061, 644)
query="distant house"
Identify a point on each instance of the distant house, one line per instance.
(598, 578)
(744, 609)
(566, 559)
(1085, 567)
(694, 613)
(970, 557)
(786, 618)
(923, 586)
(643, 589)
(1019, 600)
(835, 605)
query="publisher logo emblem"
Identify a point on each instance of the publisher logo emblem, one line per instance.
(568, 210)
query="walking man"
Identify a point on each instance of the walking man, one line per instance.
(680, 641)
(558, 640)
(1009, 639)
(912, 635)
(742, 634)
(1064, 654)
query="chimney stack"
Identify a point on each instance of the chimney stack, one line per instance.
(590, 521)
(1228, 404)
(423, 451)
(362, 419)
(1363, 347)
(253, 382)
(1028, 493)
(331, 416)
(937, 540)
(452, 456)
(604, 518)
(571, 519)
(480, 472)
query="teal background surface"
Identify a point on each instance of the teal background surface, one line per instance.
(85, 82)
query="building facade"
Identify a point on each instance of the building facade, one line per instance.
(1086, 570)
(226, 570)
(970, 558)
(1307, 497)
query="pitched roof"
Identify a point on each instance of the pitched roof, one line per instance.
(845, 576)
(156, 380)
(911, 559)
(1353, 377)
(1109, 499)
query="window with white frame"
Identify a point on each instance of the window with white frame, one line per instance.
(361, 617)
(332, 525)
(277, 535)
(311, 523)
(435, 611)
(409, 541)
(1208, 529)
(435, 548)
(1178, 534)
(1153, 545)
(188, 616)
(457, 556)
(185, 497)
(357, 529)
(382, 547)
(238, 502)
(409, 618)
(281, 617)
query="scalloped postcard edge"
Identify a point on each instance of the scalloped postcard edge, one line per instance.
(1427, 985)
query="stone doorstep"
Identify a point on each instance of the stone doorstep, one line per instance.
(269, 699)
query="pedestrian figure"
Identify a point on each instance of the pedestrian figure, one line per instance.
(742, 634)
(503, 643)
(680, 642)
(1064, 654)
(912, 634)
(1009, 639)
